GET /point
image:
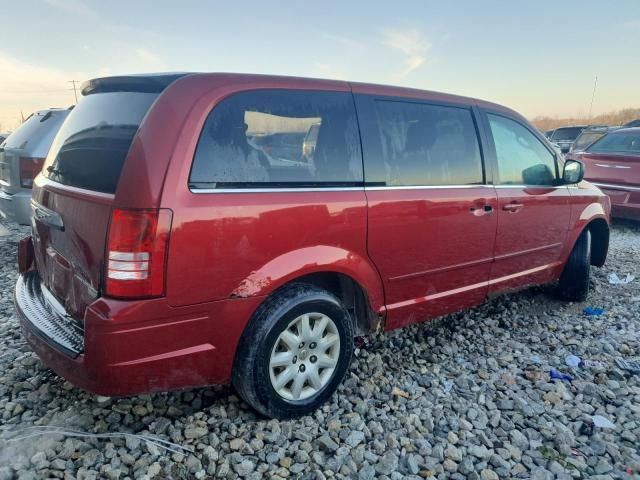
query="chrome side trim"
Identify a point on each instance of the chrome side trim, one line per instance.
(524, 272)
(527, 251)
(275, 190)
(617, 187)
(441, 269)
(43, 181)
(333, 189)
(435, 296)
(530, 186)
(425, 187)
(466, 288)
(611, 166)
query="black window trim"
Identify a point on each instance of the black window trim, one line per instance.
(471, 107)
(275, 187)
(557, 160)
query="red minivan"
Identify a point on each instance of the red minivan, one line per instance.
(185, 233)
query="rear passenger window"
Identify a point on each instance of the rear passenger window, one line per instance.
(428, 144)
(279, 138)
(522, 158)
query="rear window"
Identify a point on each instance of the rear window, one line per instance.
(90, 148)
(279, 138)
(39, 129)
(623, 143)
(569, 133)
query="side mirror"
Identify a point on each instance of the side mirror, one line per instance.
(539, 174)
(573, 172)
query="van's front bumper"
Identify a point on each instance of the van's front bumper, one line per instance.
(132, 347)
(16, 207)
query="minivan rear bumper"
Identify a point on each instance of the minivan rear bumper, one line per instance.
(16, 207)
(136, 347)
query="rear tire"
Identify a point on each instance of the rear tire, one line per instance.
(574, 281)
(294, 352)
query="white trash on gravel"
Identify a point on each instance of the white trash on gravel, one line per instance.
(602, 422)
(614, 279)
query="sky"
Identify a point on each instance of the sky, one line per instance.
(539, 57)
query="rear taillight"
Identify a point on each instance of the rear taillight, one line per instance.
(137, 252)
(29, 169)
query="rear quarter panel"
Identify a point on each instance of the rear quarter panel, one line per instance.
(246, 244)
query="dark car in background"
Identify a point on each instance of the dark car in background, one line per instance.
(613, 164)
(632, 124)
(564, 137)
(3, 136)
(21, 157)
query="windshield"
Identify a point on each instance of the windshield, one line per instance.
(566, 133)
(586, 139)
(90, 149)
(620, 143)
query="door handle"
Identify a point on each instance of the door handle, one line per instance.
(513, 207)
(479, 211)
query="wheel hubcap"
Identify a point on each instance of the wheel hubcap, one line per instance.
(304, 356)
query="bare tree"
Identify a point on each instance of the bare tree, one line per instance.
(619, 117)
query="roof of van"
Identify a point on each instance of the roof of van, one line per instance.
(156, 82)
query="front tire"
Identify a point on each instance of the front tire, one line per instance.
(574, 281)
(294, 353)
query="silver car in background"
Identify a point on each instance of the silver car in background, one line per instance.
(21, 157)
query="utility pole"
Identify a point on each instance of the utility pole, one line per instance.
(75, 93)
(593, 95)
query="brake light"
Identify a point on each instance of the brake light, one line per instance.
(136, 252)
(29, 169)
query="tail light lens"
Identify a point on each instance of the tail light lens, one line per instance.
(29, 169)
(137, 253)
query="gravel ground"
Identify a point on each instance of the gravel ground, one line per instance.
(468, 396)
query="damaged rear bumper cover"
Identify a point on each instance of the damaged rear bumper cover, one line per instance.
(126, 348)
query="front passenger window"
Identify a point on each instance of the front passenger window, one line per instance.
(522, 158)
